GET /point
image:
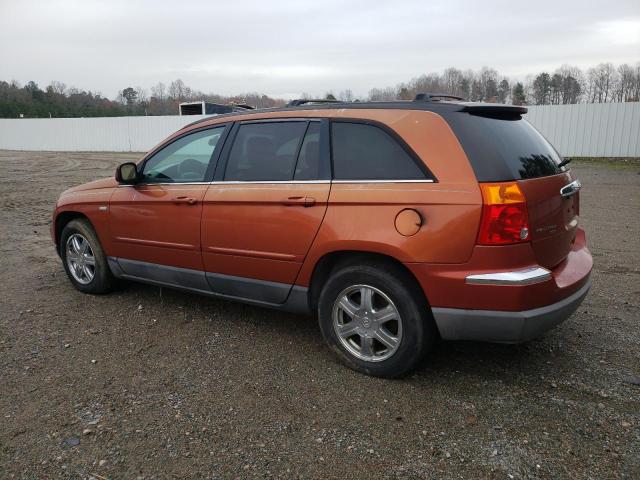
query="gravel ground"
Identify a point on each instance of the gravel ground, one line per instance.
(155, 383)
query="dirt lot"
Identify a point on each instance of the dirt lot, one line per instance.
(155, 383)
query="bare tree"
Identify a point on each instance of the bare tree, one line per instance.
(504, 89)
(488, 79)
(159, 91)
(601, 83)
(178, 90)
(625, 84)
(383, 94)
(58, 87)
(346, 95)
(453, 82)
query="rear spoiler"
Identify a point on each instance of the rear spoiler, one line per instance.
(491, 109)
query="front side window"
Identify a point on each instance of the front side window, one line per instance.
(265, 151)
(185, 160)
(366, 152)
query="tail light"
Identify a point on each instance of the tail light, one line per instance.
(504, 214)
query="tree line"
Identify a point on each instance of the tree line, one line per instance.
(59, 100)
(566, 85)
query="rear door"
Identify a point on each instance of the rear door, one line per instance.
(264, 209)
(505, 147)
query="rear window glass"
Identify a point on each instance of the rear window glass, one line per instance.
(366, 152)
(502, 149)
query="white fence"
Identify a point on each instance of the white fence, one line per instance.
(583, 130)
(103, 134)
(590, 129)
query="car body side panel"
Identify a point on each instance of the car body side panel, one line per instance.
(361, 215)
(248, 231)
(153, 223)
(92, 203)
(445, 285)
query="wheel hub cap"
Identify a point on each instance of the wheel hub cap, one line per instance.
(367, 323)
(80, 259)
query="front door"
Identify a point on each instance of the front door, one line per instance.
(263, 211)
(155, 224)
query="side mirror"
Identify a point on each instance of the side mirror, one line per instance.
(127, 173)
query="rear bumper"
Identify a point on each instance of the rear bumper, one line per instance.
(506, 327)
(502, 295)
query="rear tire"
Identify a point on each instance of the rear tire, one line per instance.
(84, 259)
(376, 319)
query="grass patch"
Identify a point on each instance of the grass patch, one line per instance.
(615, 162)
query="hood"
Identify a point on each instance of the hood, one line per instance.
(102, 183)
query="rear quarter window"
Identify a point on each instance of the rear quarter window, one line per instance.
(504, 148)
(366, 152)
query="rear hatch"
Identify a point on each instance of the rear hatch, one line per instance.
(502, 147)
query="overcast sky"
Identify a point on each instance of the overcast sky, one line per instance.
(284, 47)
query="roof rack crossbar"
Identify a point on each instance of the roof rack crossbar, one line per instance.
(429, 97)
(304, 101)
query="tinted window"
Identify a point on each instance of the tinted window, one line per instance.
(366, 152)
(502, 149)
(308, 166)
(185, 160)
(265, 151)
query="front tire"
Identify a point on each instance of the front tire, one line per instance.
(83, 259)
(376, 319)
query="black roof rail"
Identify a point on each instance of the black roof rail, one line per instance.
(430, 97)
(243, 106)
(304, 101)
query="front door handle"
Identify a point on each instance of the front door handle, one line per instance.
(187, 200)
(299, 202)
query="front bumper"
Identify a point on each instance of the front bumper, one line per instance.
(506, 327)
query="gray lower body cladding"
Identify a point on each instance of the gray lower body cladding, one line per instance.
(505, 327)
(453, 324)
(293, 298)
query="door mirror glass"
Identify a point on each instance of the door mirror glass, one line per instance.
(127, 173)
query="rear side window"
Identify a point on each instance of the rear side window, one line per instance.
(366, 152)
(502, 149)
(265, 151)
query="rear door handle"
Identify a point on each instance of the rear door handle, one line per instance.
(570, 189)
(187, 200)
(299, 202)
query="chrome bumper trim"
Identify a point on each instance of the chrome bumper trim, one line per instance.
(518, 277)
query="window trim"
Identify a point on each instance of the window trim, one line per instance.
(429, 177)
(325, 152)
(213, 160)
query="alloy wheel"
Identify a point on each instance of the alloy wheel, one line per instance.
(367, 323)
(80, 259)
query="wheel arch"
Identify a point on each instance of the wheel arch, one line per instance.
(331, 261)
(62, 219)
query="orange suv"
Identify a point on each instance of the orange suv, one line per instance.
(394, 223)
